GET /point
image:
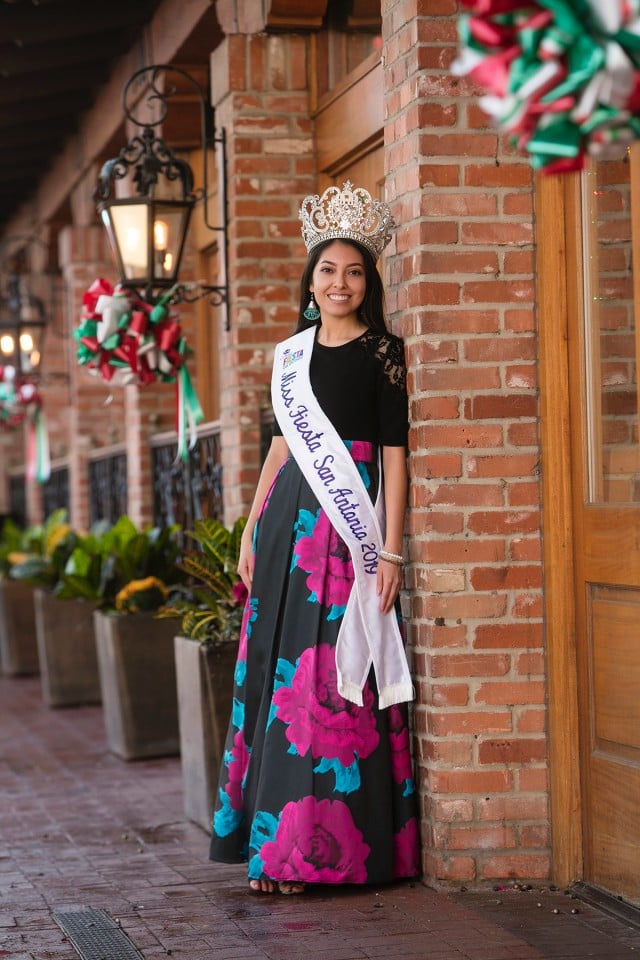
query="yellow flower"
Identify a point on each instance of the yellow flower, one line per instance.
(15, 557)
(56, 537)
(147, 594)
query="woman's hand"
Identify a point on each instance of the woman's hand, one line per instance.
(389, 583)
(394, 468)
(246, 558)
(278, 453)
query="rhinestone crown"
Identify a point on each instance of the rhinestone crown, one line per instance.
(347, 214)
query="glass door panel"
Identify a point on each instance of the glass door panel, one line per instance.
(611, 331)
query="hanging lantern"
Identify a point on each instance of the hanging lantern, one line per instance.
(23, 323)
(147, 232)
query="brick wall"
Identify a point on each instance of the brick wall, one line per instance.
(461, 292)
(259, 89)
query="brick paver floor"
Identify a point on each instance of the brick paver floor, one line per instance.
(81, 829)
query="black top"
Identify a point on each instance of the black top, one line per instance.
(362, 388)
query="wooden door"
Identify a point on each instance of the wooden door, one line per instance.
(367, 172)
(349, 130)
(604, 340)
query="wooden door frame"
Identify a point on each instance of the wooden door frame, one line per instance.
(559, 269)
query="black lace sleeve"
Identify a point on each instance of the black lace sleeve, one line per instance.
(393, 417)
(390, 352)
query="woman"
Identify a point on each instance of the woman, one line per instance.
(316, 784)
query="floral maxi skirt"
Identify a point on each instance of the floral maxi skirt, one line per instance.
(312, 787)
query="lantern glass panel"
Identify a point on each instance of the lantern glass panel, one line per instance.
(7, 347)
(30, 342)
(21, 343)
(170, 224)
(127, 225)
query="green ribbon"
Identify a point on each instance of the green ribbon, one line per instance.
(560, 138)
(576, 37)
(111, 342)
(43, 459)
(189, 411)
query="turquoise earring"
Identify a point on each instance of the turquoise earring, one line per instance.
(312, 312)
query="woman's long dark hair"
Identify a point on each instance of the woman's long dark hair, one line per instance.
(370, 311)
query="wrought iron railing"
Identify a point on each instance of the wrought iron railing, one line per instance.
(55, 492)
(18, 499)
(108, 491)
(184, 491)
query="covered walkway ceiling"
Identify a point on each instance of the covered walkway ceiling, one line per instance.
(55, 55)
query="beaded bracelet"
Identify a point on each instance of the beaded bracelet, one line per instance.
(394, 558)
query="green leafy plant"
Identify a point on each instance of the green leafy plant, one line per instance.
(82, 577)
(16, 544)
(45, 550)
(130, 554)
(99, 566)
(211, 604)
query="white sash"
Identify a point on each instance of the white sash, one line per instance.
(366, 635)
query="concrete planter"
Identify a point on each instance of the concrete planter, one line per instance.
(66, 650)
(205, 694)
(18, 645)
(138, 684)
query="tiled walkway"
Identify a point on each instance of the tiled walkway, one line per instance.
(81, 829)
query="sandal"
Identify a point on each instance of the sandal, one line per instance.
(291, 887)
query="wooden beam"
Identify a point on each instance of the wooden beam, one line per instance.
(558, 269)
(51, 23)
(34, 86)
(238, 16)
(48, 56)
(290, 15)
(365, 15)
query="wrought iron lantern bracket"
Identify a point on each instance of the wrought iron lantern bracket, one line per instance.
(146, 158)
(149, 156)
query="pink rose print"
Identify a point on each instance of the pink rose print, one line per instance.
(405, 850)
(318, 718)
(236, 768)
(399, 743)
(316, 842)
(249, 614)
(239, 592)
(361, 450)
(244, 636)
(325, 557)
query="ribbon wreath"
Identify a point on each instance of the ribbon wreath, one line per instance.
(562, 76)
(13, 409)
(19, 400)
(126, 340)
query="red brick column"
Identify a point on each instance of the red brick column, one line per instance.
(461, 293)
(259, 90)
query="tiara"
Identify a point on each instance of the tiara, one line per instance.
(347, 214)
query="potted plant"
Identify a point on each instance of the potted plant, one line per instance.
(135, 650)
(210, 609)
(64, 605)
(18, 643)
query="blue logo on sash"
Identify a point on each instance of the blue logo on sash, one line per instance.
(289, 357)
